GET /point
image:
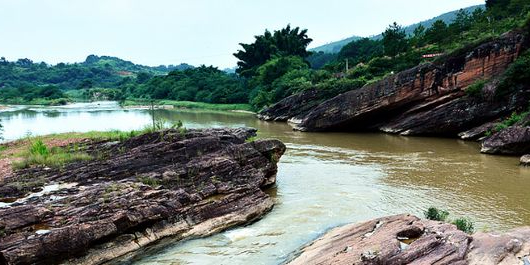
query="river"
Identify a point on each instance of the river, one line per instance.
(324, 179)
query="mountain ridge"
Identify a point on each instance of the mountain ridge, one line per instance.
(336, 46)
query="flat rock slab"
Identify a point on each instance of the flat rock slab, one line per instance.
(170, 185)
(406, 239)
(401, 239)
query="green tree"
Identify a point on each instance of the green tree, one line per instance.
(395, 40)
(362, 50)
(437, 33)
(418, 36)
(268, 73)
(285, 42)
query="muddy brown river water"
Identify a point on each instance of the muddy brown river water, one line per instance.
(324, 180)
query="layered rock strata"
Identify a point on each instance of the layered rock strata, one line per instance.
(164, 185)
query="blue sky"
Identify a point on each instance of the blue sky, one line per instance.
(154, 32)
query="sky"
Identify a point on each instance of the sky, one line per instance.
(155, 32)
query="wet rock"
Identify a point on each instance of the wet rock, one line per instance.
(514, 140)
(478, 132)
(169, 185)
(406, 239)
(525, 160)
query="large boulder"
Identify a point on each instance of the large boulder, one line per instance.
(406, 239)
(513, 140)
(163, 185)
(401, 239)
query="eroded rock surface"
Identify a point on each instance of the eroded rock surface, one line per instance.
(406, 239)
(429, 99)
(168, 184)
(514, 140)
(430, 93)
(401, 239)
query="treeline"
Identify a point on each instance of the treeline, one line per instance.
(274, 66)
(276, 70)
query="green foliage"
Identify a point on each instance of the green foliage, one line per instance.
(395, 40)
(39, 148)
(39, 154)
(475, 89)
(438, 33)
(436, 215)
(510, 121)
(464, 225)
(362, 50)
(190, 105)
(285, 42)
(202, 84)
(516, 76)
(317, 60)
(278, 78)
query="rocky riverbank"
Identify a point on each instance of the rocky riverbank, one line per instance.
(172, 184)
(431, 99)
(406, 239)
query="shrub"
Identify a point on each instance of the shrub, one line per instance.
(464, 224)
(39, 148)
(510, 121)
(515, 76)
(475, 89)
(437, 215)
(39, 154)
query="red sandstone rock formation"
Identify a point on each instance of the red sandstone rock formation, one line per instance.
(406, 239)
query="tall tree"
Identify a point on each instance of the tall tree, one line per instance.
(437, 33)
(285, 42)
(395, 40)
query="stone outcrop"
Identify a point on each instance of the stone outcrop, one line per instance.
(429, 99)
(514, 140)
(431, 93)
(164, 185)
(406, 239)
(293, 106)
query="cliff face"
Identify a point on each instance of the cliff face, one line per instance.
(406, 239)
(167, 184)
(427, 99)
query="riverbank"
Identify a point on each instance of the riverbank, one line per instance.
(39, 101)
(130, 193)
(142, 104)
(171, 104)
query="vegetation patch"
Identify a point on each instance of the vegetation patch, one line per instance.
(475, 89)
(39, 154)
(463, 224)
(187, 104)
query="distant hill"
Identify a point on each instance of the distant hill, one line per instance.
(335, 47)
(126, 66)
(95, 71)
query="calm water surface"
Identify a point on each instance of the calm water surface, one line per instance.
(324, 180)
